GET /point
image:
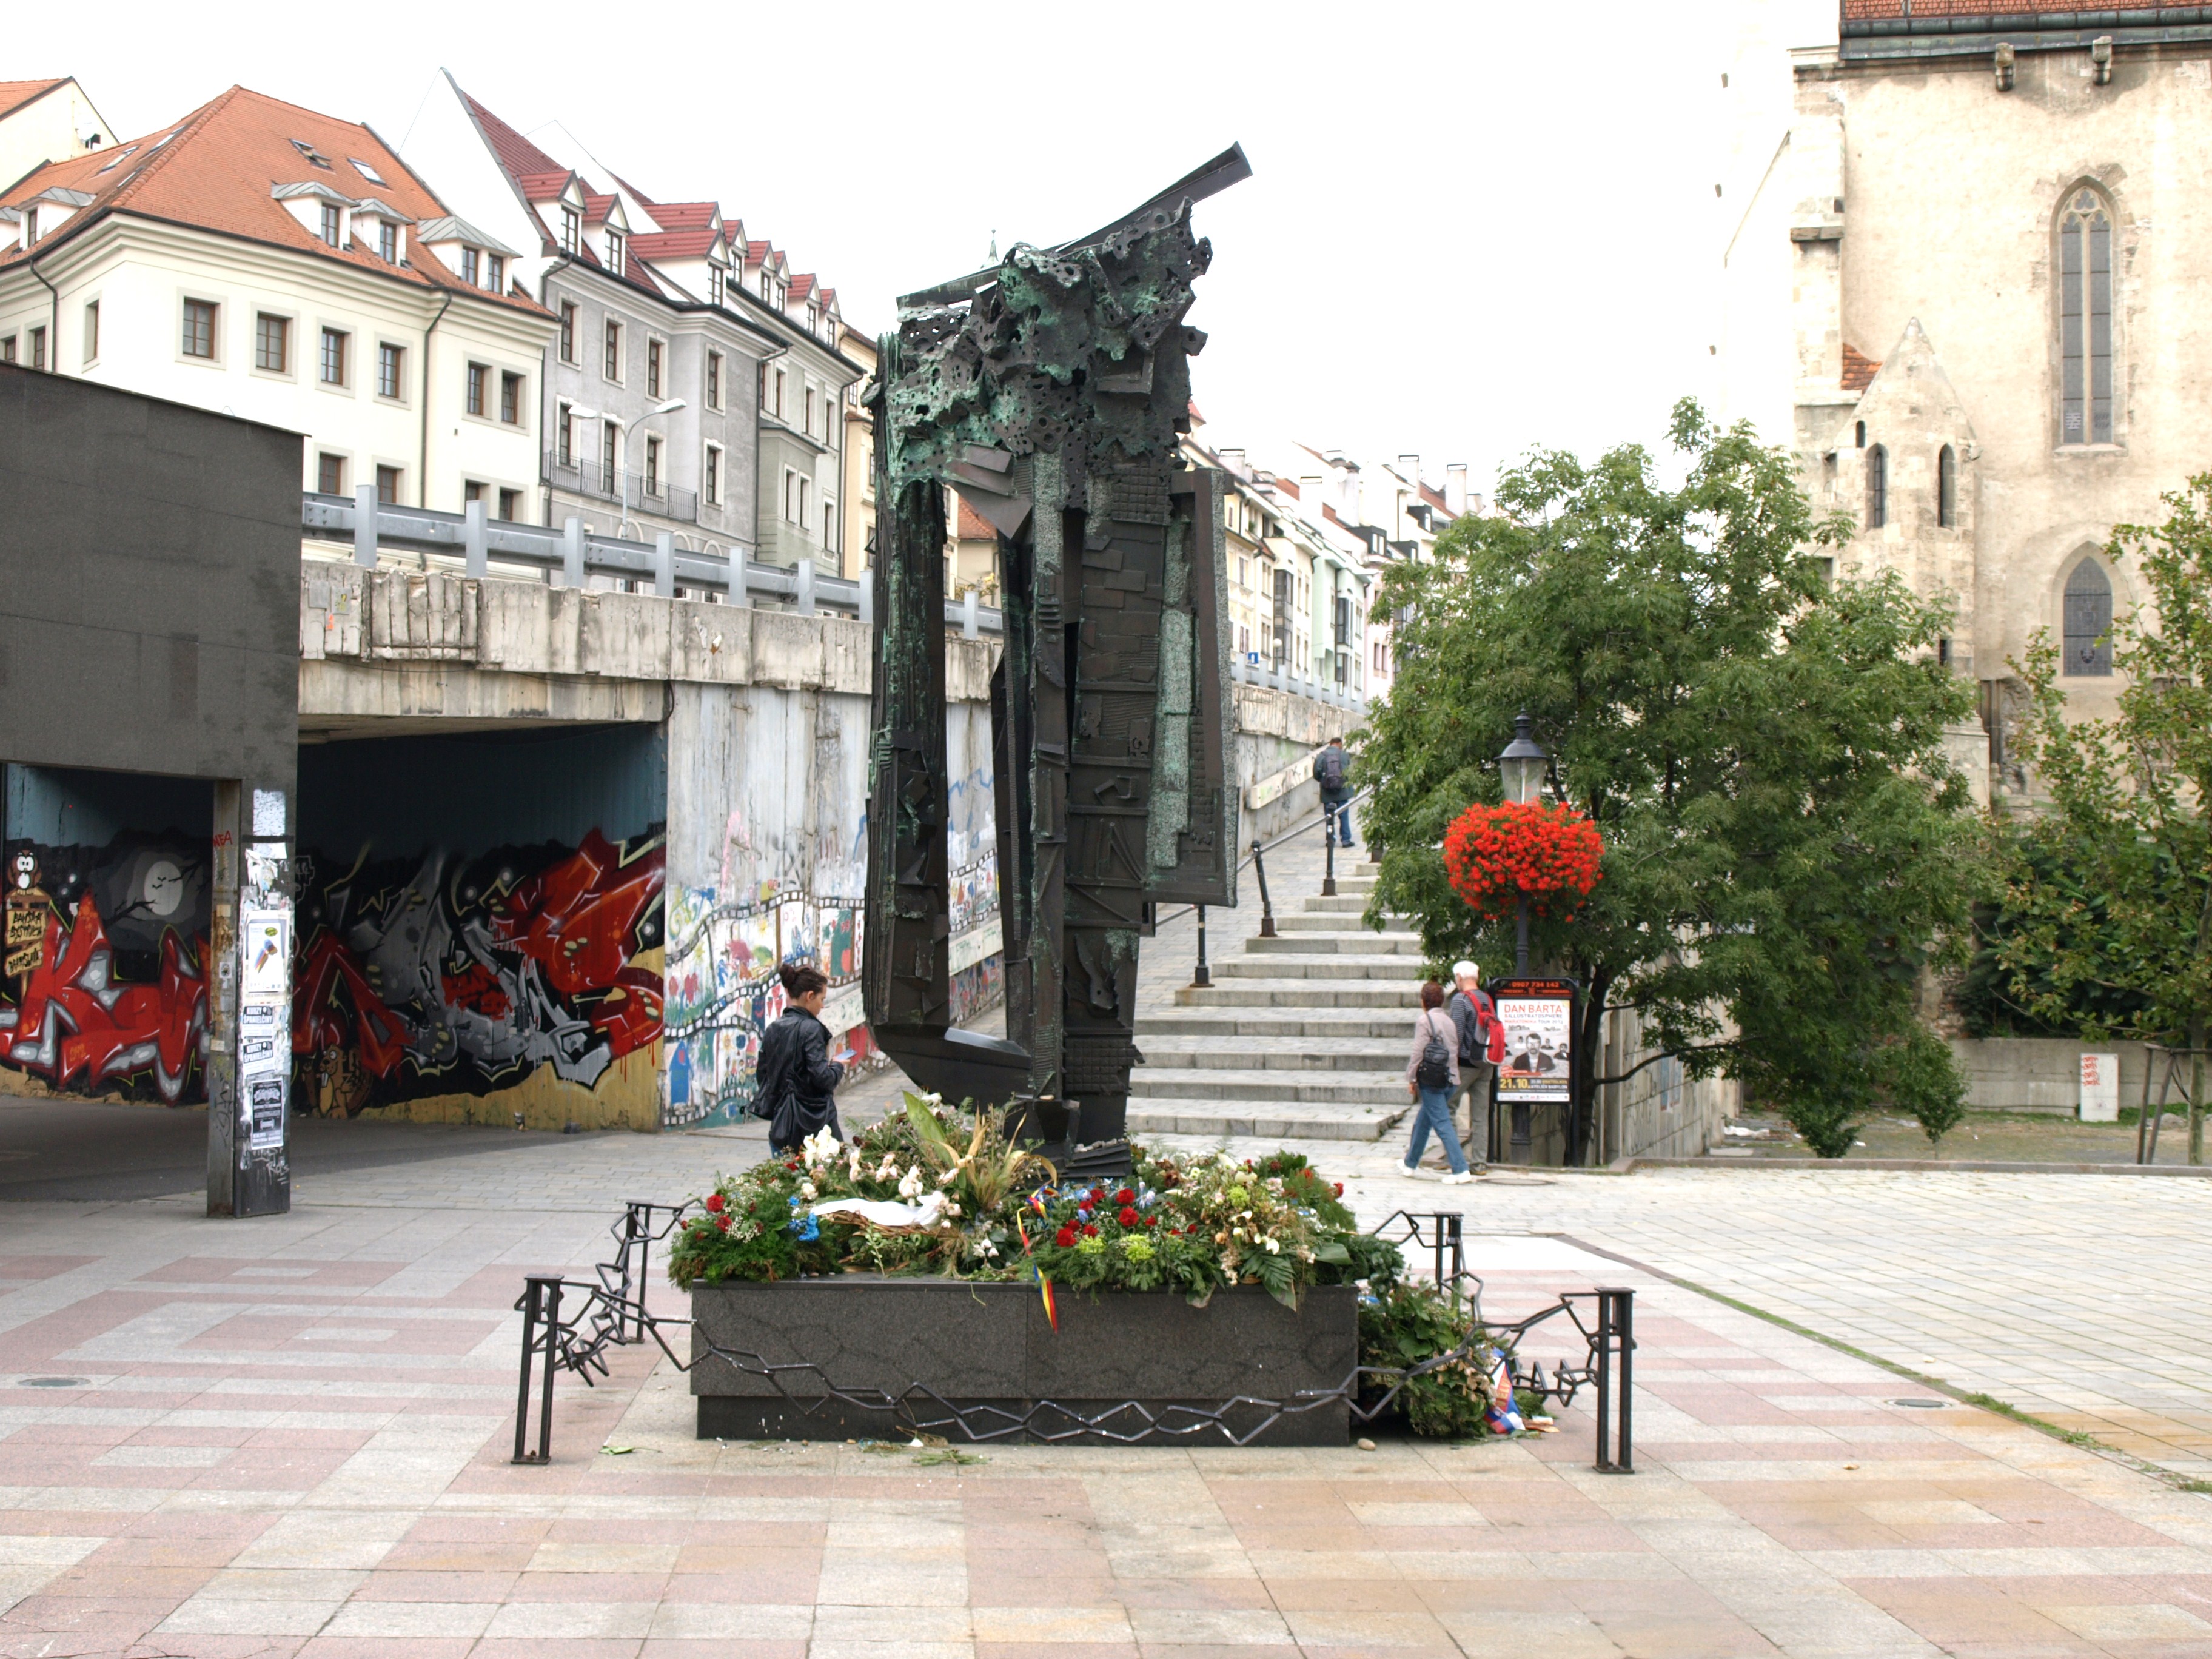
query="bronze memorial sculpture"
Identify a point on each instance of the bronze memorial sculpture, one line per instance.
(1049, 391)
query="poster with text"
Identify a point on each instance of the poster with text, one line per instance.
(265, 1101)
(264, 947)
(1538, 1049)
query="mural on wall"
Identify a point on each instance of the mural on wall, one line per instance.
(723, 991)
(440, 975)
(103, 987)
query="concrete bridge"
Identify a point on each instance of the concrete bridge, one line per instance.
(506, 728)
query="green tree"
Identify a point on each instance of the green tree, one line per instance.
(1761, 748)
(2113, 899)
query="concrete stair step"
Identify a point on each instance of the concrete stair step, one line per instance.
(1339, 922)
(1271, 1120)
(1336, 944)
(1271, 1052)
(1317, 1025)
(1276, 964)
(1340, 904)
(1314, 1088)
(1322, 991)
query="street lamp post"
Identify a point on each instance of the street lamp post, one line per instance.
(668, 407)
(1521, 771)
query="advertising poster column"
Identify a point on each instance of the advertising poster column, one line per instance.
(1538, 1016)
(250, 1025)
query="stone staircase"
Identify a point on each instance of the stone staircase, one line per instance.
(1300, 1037)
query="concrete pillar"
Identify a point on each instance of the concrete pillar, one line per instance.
(571, 553)
(473, 535)
(249, 1072)
(364, 527)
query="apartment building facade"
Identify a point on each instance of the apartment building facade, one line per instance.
(274, 263)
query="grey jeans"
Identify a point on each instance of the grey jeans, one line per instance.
(1471, 1112)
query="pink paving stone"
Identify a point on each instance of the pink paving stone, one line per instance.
(1234, 1594)
(245, 1272)
(387, 1647)
(108, 1578)
(161, 1434)
(764, 1587)
(789, 1555)
(218, 1647)
(1089, 1585)
(1062, 1650)
(589, 1587)
(116, 1619)
(570, 1648)
(666, 1647)
(387, 1583)
(96, 1437)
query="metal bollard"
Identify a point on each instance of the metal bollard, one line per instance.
(1201, 978)
(1329, 854)
(1267, 909)
(1616, 1334)
(541, 1310)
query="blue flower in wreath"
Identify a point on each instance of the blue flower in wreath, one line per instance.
(805, 1229)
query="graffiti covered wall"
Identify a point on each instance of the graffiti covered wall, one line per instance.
(480, 925)
(767, 836)
(103, 987)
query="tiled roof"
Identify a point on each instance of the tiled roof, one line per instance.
(217, 169)
(14, 94)
(1858, 369)
(516, 154)
(802, 286)
(1434, 498)
(1857, 11)
(694, 244)
(974, 527)
(679, 216)
(542, 186)
(597, 208)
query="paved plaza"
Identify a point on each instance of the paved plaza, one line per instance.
(290, 1437)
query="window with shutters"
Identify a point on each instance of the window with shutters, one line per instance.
(2084, 320)
(2088, 621)
(1947, 487)
(1877, 482)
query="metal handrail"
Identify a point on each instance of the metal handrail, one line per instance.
(1251, 859)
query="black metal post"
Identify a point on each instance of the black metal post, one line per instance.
(1616, 1334)
(1521, 940)
(1201, 977)
(1328, 854)
(541, 1310)
(1267, 908)
(1450, 1239)
(636, 1250)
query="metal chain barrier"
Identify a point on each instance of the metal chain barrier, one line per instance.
(611, 1312)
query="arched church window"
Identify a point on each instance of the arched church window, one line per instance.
(1877, 505)
(2085, 321)
(1947, 487)
(2088, 621)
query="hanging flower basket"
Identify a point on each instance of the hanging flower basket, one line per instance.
(1493, 855)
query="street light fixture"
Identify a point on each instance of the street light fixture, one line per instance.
(1521, 768)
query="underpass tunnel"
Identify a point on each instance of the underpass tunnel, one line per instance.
(480, 925)
(109, 902)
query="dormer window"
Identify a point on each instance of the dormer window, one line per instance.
(332, 225)
(365, 170)
(314, 156)
(30, 225)
(572, 230)
(495, 272)
(387, 241)
(469, 262)
(763, 285)
(814, 319)
(715, 280)
(614, 251)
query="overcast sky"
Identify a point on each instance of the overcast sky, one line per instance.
(1472, 228)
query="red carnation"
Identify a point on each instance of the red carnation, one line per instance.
(723, 1222)
(714, 1202)
(1125, 1196)
(1088, 1231)
(1127, 1218)
(1098, 1196)
(1152, 1221)
(1064, 1238)
(1340, 1189)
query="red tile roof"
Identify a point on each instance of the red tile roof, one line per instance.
(802, 286)
(516, 153)
(216, 170)
(14, 94)
(1858, 370)
(597, 208)
(542, 186)
(679, 216)
(1856, 11)
(973, 527)
(1432, 497)
(675, 244)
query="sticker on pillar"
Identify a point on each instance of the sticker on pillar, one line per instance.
(269, 813)
(266, 953)
(266, 1102)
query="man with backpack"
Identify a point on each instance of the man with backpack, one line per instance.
(1330, 767)
(1481, 1046)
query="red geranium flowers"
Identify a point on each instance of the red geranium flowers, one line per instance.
(1493, 855)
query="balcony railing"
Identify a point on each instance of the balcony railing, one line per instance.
(633, 491)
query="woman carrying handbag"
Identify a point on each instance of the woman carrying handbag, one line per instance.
(1431, 1074)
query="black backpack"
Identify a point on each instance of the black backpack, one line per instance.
(1328, 766)
(1435, 1070)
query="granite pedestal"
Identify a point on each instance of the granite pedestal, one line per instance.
(991, 1346)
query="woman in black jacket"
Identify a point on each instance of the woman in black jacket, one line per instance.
(795, 1082)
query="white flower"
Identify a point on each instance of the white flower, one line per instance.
(820, 1146)
(949, 1176)
(911, 1183)
(952, 1209)
(1273, 1249)
(806, 1190)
